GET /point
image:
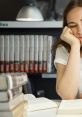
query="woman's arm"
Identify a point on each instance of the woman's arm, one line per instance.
(68, 76)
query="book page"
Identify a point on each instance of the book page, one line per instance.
(70, 106)
(28, 97)
(35, 104)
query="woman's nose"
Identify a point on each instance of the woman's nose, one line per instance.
(79, 30)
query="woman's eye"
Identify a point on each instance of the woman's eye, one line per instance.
(72, 26)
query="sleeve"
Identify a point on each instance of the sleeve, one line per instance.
(61, 56)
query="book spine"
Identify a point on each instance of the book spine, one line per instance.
(8, 95)
(21, 52)
(11, 53)
(12, 80)
(31, 51)
(45, 41)
(36, 54)
(12, 103)
(6, 52)
(40, 53)
(16, 53)
(3, 85)
(49, 55)
(1, 53)
(26, 53)
(14, 92)
(15, 112)
(16, 79)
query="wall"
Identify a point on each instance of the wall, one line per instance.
(9, 9)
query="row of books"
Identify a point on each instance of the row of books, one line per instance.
(25, 53)
(12, 102)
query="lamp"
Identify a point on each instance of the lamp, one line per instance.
(29, 12)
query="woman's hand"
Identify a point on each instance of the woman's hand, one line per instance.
(68, 36)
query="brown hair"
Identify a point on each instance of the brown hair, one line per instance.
(72, 4)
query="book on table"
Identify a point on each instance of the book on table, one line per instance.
(10, 94)
(5, 106)
(12, 80)
(70, 107)
(41, 103)
(15, 112)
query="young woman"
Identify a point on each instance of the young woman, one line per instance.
(68, 58)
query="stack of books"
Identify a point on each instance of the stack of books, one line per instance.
(12, 101)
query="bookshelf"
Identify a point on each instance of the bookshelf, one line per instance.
(31, 24)
(30, 27)
(36, 28)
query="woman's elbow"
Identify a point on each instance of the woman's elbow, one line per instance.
(64, 95)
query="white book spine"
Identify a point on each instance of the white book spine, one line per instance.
(16, 112)
(15, 80)
(45, 41)
(26, 45)
(49, 55)
(36, 49)
(1, 53)
(6, 52)
(21, 52)
(31, 56)
(16, 52)
(12, 80)
(11, 52)
(40, 53)
(8, 95)
(11, 104)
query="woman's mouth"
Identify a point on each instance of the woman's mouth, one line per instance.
(80, 38)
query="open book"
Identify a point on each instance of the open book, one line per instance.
(35, 104)
(70, 107)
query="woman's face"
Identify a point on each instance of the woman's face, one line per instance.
(74, 22)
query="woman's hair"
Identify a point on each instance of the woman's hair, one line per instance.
(72, 4)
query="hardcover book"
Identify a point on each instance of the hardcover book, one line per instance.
(6, 106)
(1, 53)
(16, 53)
(8, 95)
(15, 112)
(6, 53)
(21, 52)
(41, 103)
(26, 53)
(11, 53)
(12, 80)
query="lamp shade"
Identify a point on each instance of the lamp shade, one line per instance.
(29, 13)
